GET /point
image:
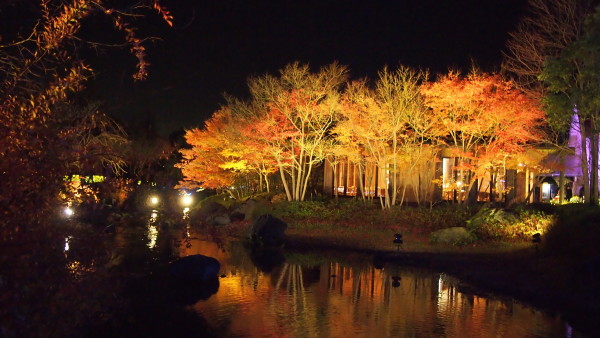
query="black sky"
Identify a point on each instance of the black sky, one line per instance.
(216, 45)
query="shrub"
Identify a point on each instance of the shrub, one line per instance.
(497, 224)
(305, 209)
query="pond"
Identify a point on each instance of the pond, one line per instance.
(316, 294)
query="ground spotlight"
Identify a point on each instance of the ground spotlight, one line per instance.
(154, 200)
(69, 211)
(187, 200)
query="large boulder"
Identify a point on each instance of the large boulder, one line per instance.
(195, 268)
(267, 230)
(452, 236)
(213, 213)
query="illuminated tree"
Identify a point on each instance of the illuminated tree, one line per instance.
(573, 80)
(357, 133)
(221, 154)
(202, 163)
(484, 119)
(39, 74)
(389, 123)
(550, 28)
(293, 116)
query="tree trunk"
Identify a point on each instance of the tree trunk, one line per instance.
(584, 162)
(594, 170)
(285, 185)
(561, 185)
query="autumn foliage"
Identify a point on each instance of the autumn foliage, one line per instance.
(398, 126)
(484, 119)
(44, 134)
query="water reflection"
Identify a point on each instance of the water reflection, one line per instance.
(333, 299)
(152, 235)
(67, 246)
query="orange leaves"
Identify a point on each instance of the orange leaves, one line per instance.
(223, 150)
(482, 109)
(166, 15)
(485, 117)
(60, 27)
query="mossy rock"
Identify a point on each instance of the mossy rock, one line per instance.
(453, 236)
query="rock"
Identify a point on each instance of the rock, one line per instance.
(195, 268)
(453, 236)
(213, 213)
(244, 211)
(220, 220)
(267, 230)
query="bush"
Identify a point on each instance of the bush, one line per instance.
(304, 209)
(498, 224)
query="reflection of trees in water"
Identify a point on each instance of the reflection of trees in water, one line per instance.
(291, 277)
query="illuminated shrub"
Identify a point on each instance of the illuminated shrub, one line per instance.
(498, 224)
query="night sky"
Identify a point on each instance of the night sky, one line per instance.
(215, 46)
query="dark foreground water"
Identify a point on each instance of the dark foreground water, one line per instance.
(285, 294)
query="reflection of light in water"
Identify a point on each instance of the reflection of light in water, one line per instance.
(338, 300)
(152, 235)
(186, 213)
(77, 269)
(443, 295)
(153, 216)
(67, 240)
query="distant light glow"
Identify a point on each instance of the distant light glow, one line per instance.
(186, 213)
(154, 200)
(187, 200)
(69, 211)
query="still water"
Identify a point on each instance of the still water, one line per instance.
(277, 294)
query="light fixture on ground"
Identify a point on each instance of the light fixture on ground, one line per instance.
(398, 241)
(154, 200)
(186, 200)
(69, 211)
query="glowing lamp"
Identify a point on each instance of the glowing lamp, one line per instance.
(186, 200)
(69, 212)
(154, 200)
